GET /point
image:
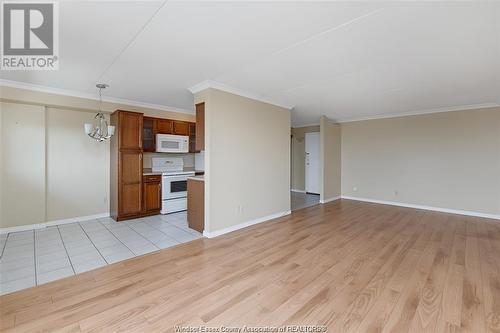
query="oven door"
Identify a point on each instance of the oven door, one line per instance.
(174, 187)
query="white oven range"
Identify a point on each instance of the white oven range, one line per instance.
(173, 183)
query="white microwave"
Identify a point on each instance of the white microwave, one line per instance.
(168, 143)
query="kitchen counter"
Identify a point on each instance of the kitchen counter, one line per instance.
(200, 178)
(149, 172)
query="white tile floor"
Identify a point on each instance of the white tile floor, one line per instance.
(303, 200)
(34, 257)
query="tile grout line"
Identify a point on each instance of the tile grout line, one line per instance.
(66, 250)
(92, 244)
(180, 242)
(183, 229)
(118, 239)
(174, 225)
(4, 245)
(164, 233)
(147, 240)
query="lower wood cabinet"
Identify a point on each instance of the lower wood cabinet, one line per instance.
(130, 199)
(151, 187)
(196, 204)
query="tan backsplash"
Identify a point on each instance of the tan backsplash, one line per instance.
(188, 159)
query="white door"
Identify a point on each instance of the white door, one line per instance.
(312, 163)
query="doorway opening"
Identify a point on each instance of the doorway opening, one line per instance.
(305, 164)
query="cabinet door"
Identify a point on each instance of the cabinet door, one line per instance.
(192, 137)
(200, 126)
(181, 128)
(152, 196)
(164, 126)
(130, 183)
(130, 131)
(131, 167)
(149, 134)
(130, 199)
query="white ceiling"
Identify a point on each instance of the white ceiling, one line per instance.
(346, 60)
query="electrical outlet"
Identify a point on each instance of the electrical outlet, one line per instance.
(396, 192)
(240, 209)
(354, 189)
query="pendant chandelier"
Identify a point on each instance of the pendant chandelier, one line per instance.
(100, 130)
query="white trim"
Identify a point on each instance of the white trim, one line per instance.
(436, 209)
(420, 112)
(79, 94)
(329, 199)
(298, 191)
(216, 233)
(51, 223)
(221, 86)
(305, 125)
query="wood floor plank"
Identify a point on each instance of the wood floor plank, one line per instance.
(473, 318)
(355, 267)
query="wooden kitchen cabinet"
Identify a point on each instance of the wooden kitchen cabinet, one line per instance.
(192, 138)
(126, 165)
(200, 127)
(196, 204)
(164, 126)
(151, 204)
(153, 126)
(130, 130)
(181, 128)
(149, 134)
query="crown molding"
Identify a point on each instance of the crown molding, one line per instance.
(79, 94)
(422, 112)
(221, 86)
(305, 125)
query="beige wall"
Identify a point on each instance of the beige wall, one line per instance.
(446, 160)
(330, 159)
(77, 167)
(50, 170)
(298, 156)
(188, 158)
(247, 159)
(23, 164)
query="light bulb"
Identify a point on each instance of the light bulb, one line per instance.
(89, 128)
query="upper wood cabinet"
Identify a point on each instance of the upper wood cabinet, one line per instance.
(181, 128)
(149, 134)
(192, 138)
(164, 126)
(153, 126)
(130, 129)
(200, 127)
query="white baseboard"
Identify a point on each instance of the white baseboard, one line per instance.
(436, 209)
(298, 191)
(329, 199)
(51, 223)
(216, 233)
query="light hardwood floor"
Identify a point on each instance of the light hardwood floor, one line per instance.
(355, 267)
